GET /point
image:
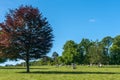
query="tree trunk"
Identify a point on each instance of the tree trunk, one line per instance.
(27, 62)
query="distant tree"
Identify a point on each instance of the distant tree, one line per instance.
(70, 53)
(46, 60)
(83, 49)
(30, 34)
(107, 42)
(92, 56)
(60, 60)
(85, 44)
(95, 53)
(115, 51)
(55, 57)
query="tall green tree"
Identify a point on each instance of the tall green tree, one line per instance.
(84, 48)
(70, 53)
(30, 34)
(107, 42)
(92, 56)
(95, 53)
(81, 54)
(115, 51)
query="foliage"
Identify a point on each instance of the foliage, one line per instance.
(87, 52)
(107, 42)
(30, 34)
(60, 60)
(70, 53)
(115, 51)
(83, 47)
(43, 61)
(55, 56)
(95, 53)
(3, 43)
(85, 44)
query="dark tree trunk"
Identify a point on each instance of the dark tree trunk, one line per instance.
(27, 62)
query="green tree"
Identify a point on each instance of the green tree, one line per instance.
(83, 49)
(60, 60)
(107, 42)
(115, 51)
(92, 56)
(46, 60)
(30, 34)
(95, 53)
(85, 44)
(70, 53)
(55, 57)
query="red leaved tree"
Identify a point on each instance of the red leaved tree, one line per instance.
(4, 42)
(30, 34)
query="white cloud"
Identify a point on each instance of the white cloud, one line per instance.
(92, 20)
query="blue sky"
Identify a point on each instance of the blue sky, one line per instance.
(74, 19)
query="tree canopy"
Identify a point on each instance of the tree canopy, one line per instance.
(30, 34)
(115, 51)
(70, 53)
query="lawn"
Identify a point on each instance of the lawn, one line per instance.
(61, 73)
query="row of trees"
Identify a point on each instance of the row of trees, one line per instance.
(106, 51)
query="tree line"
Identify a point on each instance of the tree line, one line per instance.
(106, 51)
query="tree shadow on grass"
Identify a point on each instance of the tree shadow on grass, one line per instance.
(20, 68)
(69, 72)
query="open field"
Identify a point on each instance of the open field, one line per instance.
(61, 73)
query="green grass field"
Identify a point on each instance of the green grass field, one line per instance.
(61, 73)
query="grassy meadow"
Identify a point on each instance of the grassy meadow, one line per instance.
(60, 73)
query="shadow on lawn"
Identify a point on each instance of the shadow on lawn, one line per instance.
(69, 72)
(20, 68)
